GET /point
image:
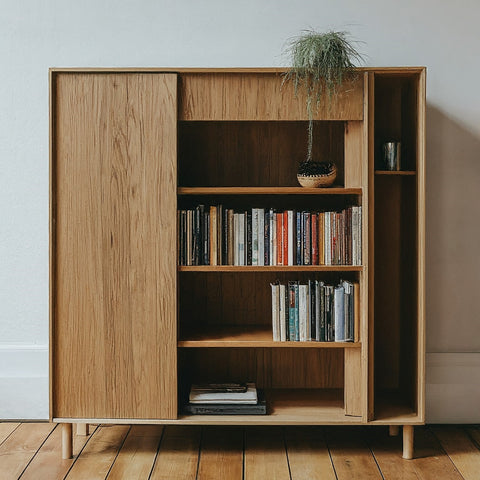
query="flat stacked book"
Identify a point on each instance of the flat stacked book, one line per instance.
(226, 399)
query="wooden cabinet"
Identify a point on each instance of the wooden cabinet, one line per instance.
(131, 330)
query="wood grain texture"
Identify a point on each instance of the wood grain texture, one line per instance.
(100, 453)
(178, 455)
(19, 448)
(351, 456)
(462, 451)
(430, 462)
(138, 453)
(354, 401)
(265, 454)
(308, 455)
(221, 454)
(225, 96)
(115, 197)
(270, 190)
(354, 150)
(6, 430)
(47, 463)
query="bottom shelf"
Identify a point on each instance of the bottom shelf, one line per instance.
(392, 409)
(289, 406)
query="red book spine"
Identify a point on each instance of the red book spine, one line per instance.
(285, 238)
(314, 223)
(279, 238)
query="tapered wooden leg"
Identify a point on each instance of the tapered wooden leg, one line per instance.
(67, 440)
(393, 430)
(82, 429)
(408, 442)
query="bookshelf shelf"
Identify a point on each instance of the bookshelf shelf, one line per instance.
(249, 336)
(396, 173)
(267, 191)
(276, 268)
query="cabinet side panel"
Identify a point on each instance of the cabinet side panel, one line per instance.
(114, 329)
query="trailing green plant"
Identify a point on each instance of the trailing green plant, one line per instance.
(319, 64)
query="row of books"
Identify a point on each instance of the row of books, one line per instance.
(213, 235)
(314, 311)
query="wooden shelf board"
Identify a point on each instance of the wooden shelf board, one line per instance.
(401, 172)
(267, 191)
(275, 268)
(249, 336)
(392, 409)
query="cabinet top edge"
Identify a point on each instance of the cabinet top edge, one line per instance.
(267, 70)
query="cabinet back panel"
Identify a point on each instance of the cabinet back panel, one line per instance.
(114, 273)
(216, 154)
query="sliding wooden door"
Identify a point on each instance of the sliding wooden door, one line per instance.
(113, 233)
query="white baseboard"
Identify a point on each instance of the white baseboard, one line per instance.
(24, 382)
(453, 388)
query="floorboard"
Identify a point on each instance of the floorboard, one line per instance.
(32, 451)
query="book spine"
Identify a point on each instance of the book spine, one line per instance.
(285, 238)
(241, 239)
(339, 313)
(322, 334)
(266, 240)
(283, 317)
(213, 235)
(311, 313)
(275, 312)
(231, 238)
(359, 248)
(302, 312)
(308, 239)
(273, 243)
(299, 238)
(317, 310)
(297, 326)
(272, 225)
(279, 239)
(235, 240)
(329, 334)
(314, 228)
(328, 257)
(225, 238)
(206, 237)
(356, 312)
(291, 311)
(248, 216)
(291, 236)
(189, 236)
(261, 236)
(219, 234)
(254, 236)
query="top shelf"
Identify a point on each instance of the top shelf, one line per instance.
(267, 191)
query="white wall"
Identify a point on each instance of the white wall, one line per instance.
(37, 34)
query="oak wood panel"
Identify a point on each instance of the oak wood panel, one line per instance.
(251, 336)
(461, 450)
(226, 96)
(138, 453)
(19, 448)
(354, 161)
(270, 190)
(47, 463)
(6, 429)
(254, 154)
(351, 456)
(221, 453)
(99, 454)
(178, 454)
(265, 454)
(115, 202)
(354, 400)
(308, 455)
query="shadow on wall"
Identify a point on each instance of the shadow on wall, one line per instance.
(452, 235)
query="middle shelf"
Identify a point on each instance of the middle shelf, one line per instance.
(248, 336)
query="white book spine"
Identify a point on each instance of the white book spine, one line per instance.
(254, 236)
(283, 317)
(302, 312)
(291, 237)
(328, 257)
(275, 312)
(241, 239)
(235, 239)
(274, 239)
(261, 236)
(359, 235)
(339, 313)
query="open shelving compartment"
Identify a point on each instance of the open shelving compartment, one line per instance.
(398, 236)
(224, 313)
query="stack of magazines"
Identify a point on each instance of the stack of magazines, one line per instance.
(226, 399)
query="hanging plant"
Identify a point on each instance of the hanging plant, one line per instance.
(319, 64)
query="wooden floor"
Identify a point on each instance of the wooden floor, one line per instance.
(33, 451)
